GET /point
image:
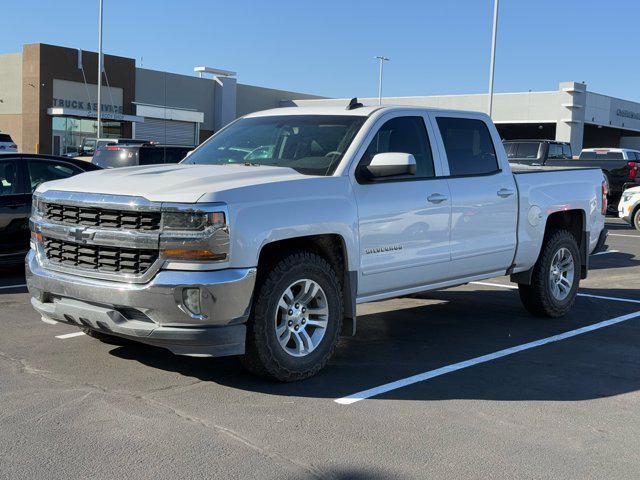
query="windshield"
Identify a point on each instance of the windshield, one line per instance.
(310, 144)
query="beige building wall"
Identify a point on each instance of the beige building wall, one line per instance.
(11, 96)
(250, 98)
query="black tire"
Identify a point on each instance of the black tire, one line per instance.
(537, 298)
(264, 355)
(636, 218)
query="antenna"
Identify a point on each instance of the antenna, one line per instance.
(354, 103)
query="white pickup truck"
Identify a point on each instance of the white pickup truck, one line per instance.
(265, 238)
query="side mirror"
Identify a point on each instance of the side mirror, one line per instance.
(391, 164)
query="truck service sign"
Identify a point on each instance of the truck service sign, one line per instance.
(80, 96)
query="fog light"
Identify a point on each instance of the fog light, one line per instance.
(191, 300)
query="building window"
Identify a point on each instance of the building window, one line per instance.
(69, 132)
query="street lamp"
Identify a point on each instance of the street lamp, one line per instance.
(493, 54)
(382, 60)
(100, 67)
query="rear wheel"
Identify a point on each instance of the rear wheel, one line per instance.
(636, 218)
(296, 319)
(555, 279)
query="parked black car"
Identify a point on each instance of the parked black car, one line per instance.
(619, 165)
(20, 175)
(130, 154)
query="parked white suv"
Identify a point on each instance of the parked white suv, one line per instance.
(265, 238)
(629, 207)
(7, 145)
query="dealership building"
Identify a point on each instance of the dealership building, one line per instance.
(569, 114)
(48, 104)
(48, 100)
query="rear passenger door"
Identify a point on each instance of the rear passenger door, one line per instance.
(484, 208)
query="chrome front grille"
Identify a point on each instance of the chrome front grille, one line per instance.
(101, 217)
(99, 258)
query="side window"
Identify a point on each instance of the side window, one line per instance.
(8, 178)
(555, 151)
(174, 155)
(511, 149)
(44, 171)
(566, 151)
(403, 135)
(151, 155)
(468, 145)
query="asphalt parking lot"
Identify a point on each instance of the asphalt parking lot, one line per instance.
(460, 383)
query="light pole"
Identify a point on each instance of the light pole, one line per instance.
(493, 54)
(382, 60)
(100, 67)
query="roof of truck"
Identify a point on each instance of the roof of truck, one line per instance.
(364, 111)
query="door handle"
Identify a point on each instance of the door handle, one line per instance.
(505, 192)
(437, 198)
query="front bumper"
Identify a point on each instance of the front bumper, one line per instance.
(624, 212)
(151, 313)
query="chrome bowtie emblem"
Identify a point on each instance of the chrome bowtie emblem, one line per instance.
(80, 235)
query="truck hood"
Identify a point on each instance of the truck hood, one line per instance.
(171, 183)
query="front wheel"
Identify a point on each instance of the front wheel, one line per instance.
(636, 219)
(555, 279)
(296, 319)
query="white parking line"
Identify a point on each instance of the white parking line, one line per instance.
(6, 287)
(70, 335)
(588, 295)
(489, 284)
(605, 252)
(621, 235)
(372, 392)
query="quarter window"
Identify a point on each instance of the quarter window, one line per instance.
(403, 135)
(468, 145)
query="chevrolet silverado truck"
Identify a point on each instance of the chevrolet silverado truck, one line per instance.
(262, 242)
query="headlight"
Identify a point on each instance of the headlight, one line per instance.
(194, 235)
(626, 197)
(36, 206)
(192, 221)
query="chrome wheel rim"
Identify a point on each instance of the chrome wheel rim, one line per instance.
(301, 317)
(561, 274)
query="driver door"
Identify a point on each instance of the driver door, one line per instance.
(403, 220)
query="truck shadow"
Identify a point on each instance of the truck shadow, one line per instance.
(620, 226)
(613, 260)
(438, 329)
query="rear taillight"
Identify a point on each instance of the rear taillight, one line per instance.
(633, 170)
(113, 149)
(605, 191)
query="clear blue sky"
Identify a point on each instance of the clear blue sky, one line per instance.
(326, 46)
